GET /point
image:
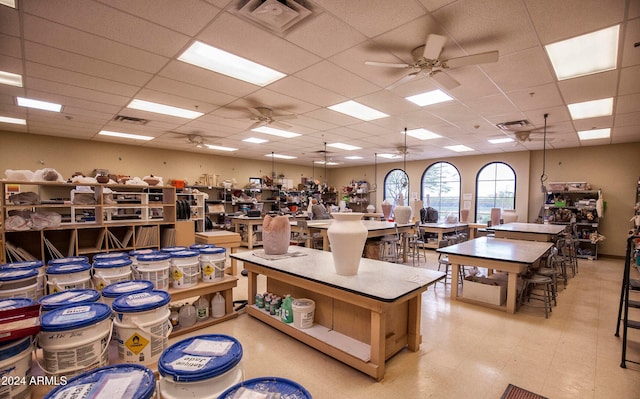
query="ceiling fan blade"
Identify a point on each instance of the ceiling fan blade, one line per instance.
(474, 59)
(433, 46)
(256, 125)
(387, 64)
(402, 81)
(444, 80)
(281, 125)
(285, 117)
(256, 112)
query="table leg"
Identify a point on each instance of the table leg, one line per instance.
(249, 236)
(512, 287)
(413, 328)
(234, 262)
(455, 275)
(405, 247)
(252, 287)
(378, 333)
(325, 240)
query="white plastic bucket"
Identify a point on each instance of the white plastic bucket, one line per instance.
(15, 368)
(68, 298)
(266, 387)
(133, 255)
(114, 290)
(75, 339)
(142, 326)
(107, 256)
(198, 247)
(155, 268)
(170, 250)
(212, 264)
(68, 276)
(67, 260)
(185, 268)
(303, 312)
(32, 264)
(19, 283)
(121, 381)
(111, 271)
(200, 367)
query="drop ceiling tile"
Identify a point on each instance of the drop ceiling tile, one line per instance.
(9, 21)
(629, 103)
(52, 94)
(525, 68)
(474, 83)
(11, 64)
(59, 90)
(10, 46)
(624, 134)
(337, 35)
(628, 119)
(195, 92)
(334, 78)
(196, 76)
(295, 87)
(551, 18)
(387, 102)
(629, 80)
(590, 87)
(496, 104)
(531, 98)
(372, 21)
(630, 54)
(175, 101)
(401, 40)
(593, 123)
(109, 23)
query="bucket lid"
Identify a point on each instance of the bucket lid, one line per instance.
(102, 382)
(65, 268)
(14, 303)
(173, 249)
(74, 316)
(198, 247)
(112, 263)
(109, 256)
(14, 348)
(139, 252)
(69, 297)
(303, 303)
(201, 357)
(69, 259)
(283, 386)
(184, 254)
(142, 301)
(155, 257)
(213, 250)
(115, 290)
(31, 264)
(17, 274)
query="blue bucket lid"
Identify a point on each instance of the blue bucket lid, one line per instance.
(110, 256)
(155, 257)
(213, 251)
(14, 348)
(185, 254)
(173, 249)
(112, 263)
(198, 247)
(31, 264)
(17, 274)
(142, 382)
(66, 268)
(283, 386)
(140, 302)
(139, 252)
(15, 303)
(220, 353)
(69, 259)
(115, 290)
(69, 297)
(74, 316)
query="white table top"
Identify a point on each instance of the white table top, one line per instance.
(535, 228)
(500, 249)
(369, 224)
(379, 280)
(444, 225)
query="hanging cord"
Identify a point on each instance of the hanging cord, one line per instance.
(543, 176)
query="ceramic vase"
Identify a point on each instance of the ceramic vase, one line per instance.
(509, 216)
(386, 209)
(347, 235)
(402, 214)
(276, 235)
(371, 208)
(464, 215)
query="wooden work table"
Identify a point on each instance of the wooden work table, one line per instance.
(360, 320)
(441, 229)
(528, 231)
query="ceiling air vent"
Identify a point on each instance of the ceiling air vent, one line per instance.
(513, 125)
(277, 16)
(130, 120)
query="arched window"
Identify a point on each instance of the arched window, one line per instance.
(495, 188)
(395, 183)
(441, 189)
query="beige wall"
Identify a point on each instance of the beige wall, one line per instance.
(613, 168)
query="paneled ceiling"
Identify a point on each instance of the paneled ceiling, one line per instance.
(94, 57)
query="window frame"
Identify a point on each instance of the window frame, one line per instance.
(441, 214)
(495, 197)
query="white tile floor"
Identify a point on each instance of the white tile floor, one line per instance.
(471, 352)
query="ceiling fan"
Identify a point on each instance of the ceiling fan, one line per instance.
(264, 116)
(195, 138)
(523, 136)
(426, 61)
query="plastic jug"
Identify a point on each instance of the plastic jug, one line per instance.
(187, 315)
(202, 309)
(217, 306)
(286, 311)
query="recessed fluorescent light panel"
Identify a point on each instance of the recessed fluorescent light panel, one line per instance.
(163, 109)
(220, 148)
(343, 146)
(330, 163)
(125, 135)
(220, 61)
(8, 3)
(422, 134)
(583, 55)
(279, 156)
(255, 140)
(458, 148)
(27, 102)
(501, 140)
(353, 157)
(358, 110)
(275, 132)
(591, 109)
(594, 134)
(429, 98)
(15, 121)
(389, 156)
(11, 79)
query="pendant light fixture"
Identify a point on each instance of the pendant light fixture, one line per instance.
(404, 180)
(543, 176)
(326, 179)
(374, 186)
